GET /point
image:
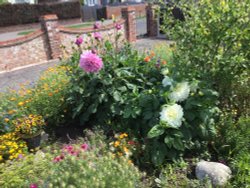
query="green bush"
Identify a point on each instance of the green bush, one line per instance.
(96, 171)
(233, 137)
(48, 95)
(241, 170)
(83, 163)
(23, 172)
(128, 95)
(212, 45)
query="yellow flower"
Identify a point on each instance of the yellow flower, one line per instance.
(11, 112)
(117, 143)
(20, 103)
(1, 157)
(6, 120)
(123, 135)
(125, 149)
(11, 151)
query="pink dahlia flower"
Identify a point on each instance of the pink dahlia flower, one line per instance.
(118, 26)
(90, 62)
(79, 41)
(97, 36)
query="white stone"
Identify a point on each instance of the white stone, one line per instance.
(218, 173)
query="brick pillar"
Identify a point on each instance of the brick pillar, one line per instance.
(49, 24)
(152, 20)
(128, 14)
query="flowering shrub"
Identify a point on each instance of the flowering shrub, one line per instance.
(78, 165)
(87, 169)
(121, 146)
(11, 147)
(31, 169)
(48, 97)
(29, 125)
(138, 94)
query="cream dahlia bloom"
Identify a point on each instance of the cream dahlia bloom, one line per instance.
(172, 115)
(180, 92)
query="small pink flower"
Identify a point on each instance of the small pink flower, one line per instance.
(79, 41)
(90, 62)
(118, 26)
(57, 159)
(33, 185)
(97, 36)
(97, 25)
(68, 148)
(74, 153)
(85, 147)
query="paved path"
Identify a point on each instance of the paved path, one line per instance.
(31, 74)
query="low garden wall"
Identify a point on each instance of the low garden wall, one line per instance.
(13, 14)
(68, 35)
(30, 49)
(45, 44)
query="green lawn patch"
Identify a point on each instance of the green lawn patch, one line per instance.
(80, 25)
(25, 32)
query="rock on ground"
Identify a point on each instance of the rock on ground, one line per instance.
(218, 173)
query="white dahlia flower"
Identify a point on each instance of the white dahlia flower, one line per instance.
(165, 71)
(180, 92)
(167, 81)
(172, 115)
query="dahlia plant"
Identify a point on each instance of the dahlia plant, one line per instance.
(137, 94)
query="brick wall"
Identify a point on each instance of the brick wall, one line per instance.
(45, 44)
(68, 36)
(23, 51)
(140, 10)
(13, 14)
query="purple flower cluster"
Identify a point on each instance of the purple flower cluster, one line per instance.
(79, 41)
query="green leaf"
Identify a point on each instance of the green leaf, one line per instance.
(157, 130)
(117, 96)
(177, 144)
(168, 141)
(158, 154)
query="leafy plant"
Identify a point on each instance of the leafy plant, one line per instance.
(78, 164)
(127, 94)
(212, 45)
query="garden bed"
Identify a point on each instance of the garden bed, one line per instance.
(117, 118)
